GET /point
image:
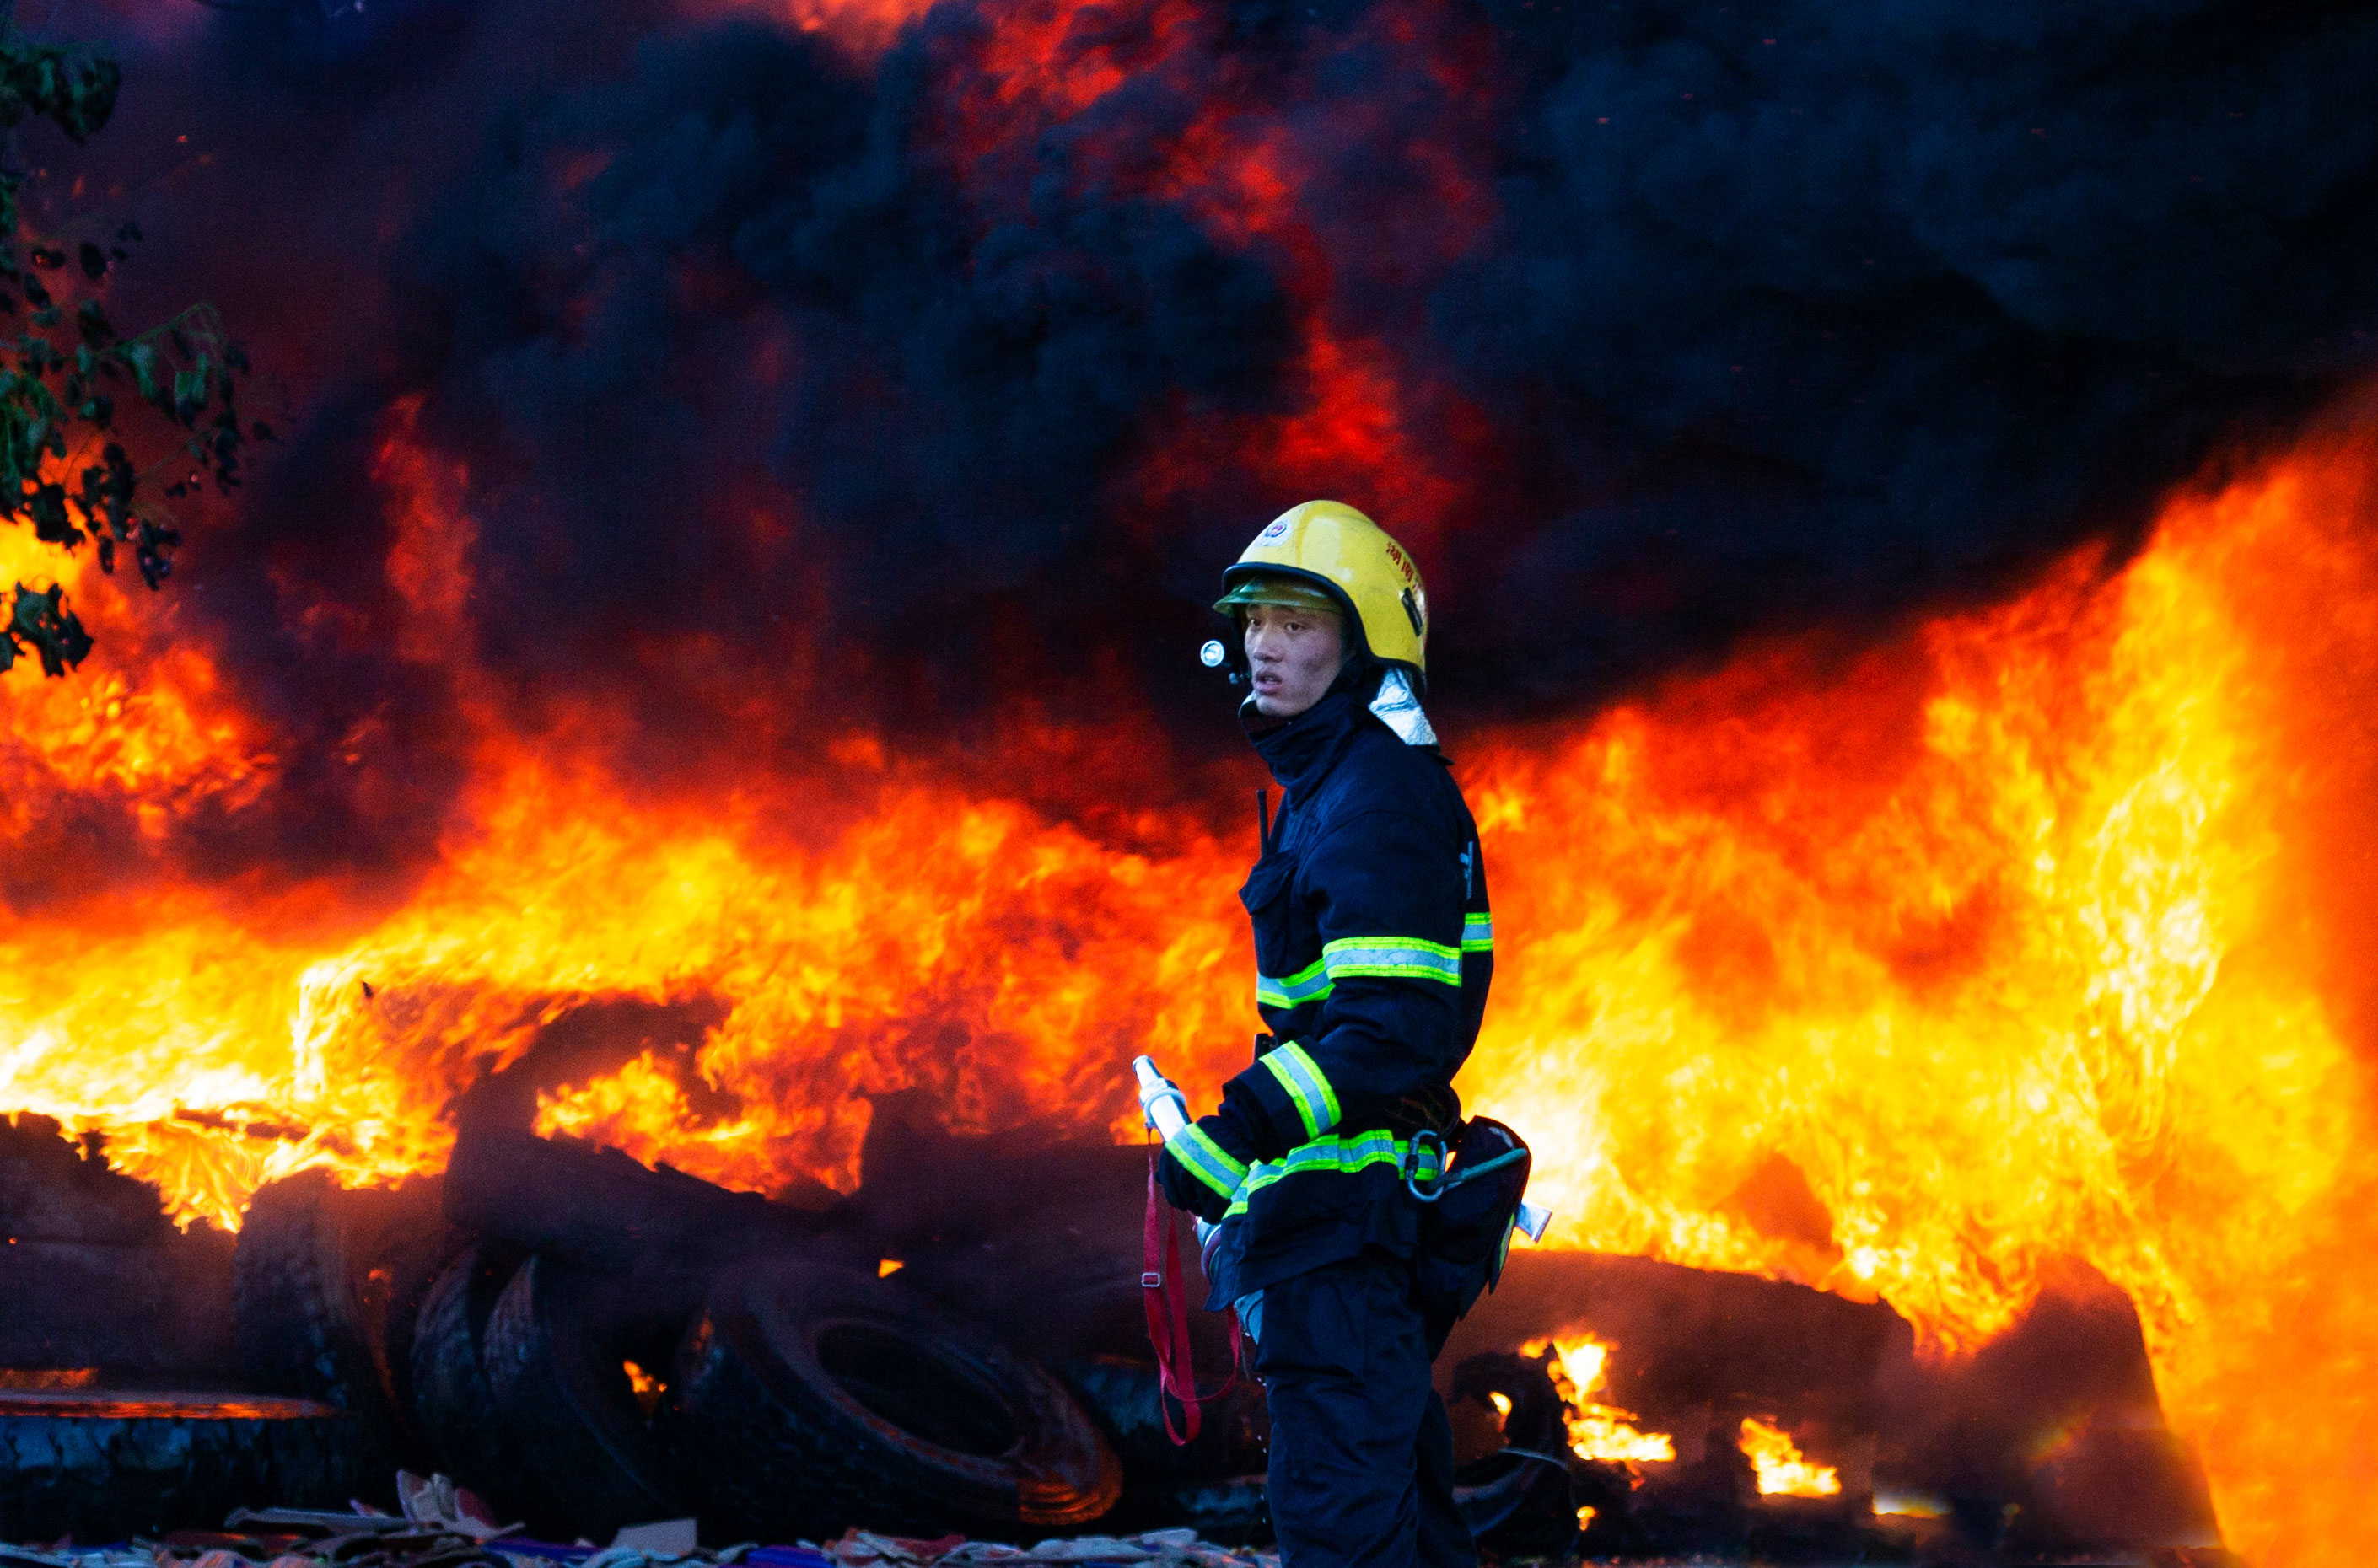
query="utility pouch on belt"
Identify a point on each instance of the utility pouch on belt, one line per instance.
(1465, 1231)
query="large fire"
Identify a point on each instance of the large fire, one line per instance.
(2034, 933)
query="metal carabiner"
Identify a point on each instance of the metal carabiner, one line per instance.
(1410, 1169)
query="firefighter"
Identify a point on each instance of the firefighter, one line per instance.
(1374, 950)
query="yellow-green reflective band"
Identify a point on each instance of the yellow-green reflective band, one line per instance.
(1345, 1154)
(1393, 958)
(1308, 984)
(1205, 1160)
(1478, 933)
(1307, 1085)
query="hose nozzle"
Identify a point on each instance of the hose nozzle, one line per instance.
(1166, 1109)
(1160, 1100)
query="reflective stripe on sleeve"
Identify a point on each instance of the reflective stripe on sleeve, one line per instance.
(1207, 1160)
(1308, 984)
(1344, 1155)
(1392, 958)
(1307, 1085)
(1478, 933)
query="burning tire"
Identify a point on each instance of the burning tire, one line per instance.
(565, 1401)
(452, 1401)
(396, 1299)
(1517, 1499)
(104, 1467)
(810, 1399)
(322, 1287)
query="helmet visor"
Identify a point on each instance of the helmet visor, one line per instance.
(1264, 588)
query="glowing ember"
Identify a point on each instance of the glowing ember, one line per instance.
(648, 1388)
(862, 28)
(1909, 1506)
(1596, 1430)
(1782, 1470)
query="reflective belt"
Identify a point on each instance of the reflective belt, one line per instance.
(1478, 933)
(1392, 958)
(1308, 1087)
(1345, 1154)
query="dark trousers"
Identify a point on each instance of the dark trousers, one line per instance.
(1361, 1454)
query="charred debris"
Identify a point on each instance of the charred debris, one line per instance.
(955, 1355)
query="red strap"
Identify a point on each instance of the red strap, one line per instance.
(1168, 1317)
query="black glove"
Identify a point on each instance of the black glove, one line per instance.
(1203, 1164)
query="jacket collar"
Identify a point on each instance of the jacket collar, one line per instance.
(1302, 750)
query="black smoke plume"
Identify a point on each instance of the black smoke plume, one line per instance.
(764, 381)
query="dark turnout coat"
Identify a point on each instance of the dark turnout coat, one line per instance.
(1375, 948)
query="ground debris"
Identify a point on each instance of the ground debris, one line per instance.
(72, 1556)
(1169, 1549)
(444, 1526)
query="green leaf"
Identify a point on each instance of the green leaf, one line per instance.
(143, 360)
(55, 632)
(51, 524)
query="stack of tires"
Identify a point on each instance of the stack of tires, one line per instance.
(775, 1385)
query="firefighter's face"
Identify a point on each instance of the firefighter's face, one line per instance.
(1293, 654)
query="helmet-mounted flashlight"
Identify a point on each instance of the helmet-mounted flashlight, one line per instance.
(1216, 655)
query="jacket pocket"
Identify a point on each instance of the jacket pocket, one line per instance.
(1268, 880)
(1272, 911)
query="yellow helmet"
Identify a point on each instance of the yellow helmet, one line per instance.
(1364, 575)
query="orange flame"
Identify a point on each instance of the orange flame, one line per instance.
(2028, 936)
(1596, 1430)
(2037, 932)
(1781, 1469)
(46, 1378)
